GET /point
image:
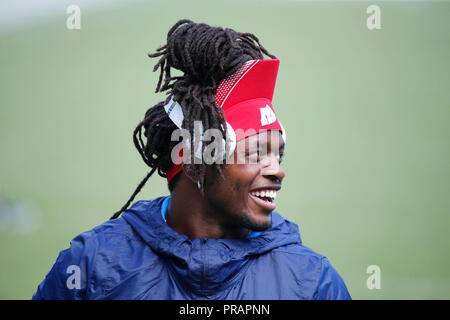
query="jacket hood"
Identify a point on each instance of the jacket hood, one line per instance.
(205, 265)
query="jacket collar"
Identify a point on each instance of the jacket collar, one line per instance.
(205, 265)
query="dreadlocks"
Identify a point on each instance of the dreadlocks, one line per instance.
(205, 55)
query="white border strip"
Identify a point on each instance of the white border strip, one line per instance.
(251, 66)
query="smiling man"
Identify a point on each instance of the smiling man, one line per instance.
(217, 236)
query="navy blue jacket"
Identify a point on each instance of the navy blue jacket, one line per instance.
(138, 256)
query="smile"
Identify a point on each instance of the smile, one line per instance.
(265, 198)
(266, 195)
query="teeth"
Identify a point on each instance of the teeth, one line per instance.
(267, 194)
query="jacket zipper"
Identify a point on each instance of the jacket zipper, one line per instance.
(203, 279)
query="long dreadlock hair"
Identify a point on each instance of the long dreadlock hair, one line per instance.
(206, 55)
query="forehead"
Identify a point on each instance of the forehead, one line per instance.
(271, 138)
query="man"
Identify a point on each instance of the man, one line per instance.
(217, 235)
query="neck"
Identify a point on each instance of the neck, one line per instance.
(191, 214)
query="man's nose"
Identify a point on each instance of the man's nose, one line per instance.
(272, 167)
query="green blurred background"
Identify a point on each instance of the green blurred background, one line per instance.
(367, 114)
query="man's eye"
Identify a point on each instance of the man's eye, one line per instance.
(254, 156)
(257, 153)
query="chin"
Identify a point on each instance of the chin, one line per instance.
(257, 223)
(261, 227)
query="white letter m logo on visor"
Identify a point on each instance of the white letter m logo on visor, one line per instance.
(267, 115)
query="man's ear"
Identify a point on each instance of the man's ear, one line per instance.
(194, 177)
(188, 181)
(213, 175)
(190, 173)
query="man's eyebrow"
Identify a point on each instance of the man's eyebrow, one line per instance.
(254, 143)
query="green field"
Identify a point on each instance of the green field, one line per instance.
(366, 112)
